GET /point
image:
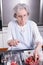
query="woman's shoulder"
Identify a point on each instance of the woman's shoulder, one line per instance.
(11, 23)
(32, 22)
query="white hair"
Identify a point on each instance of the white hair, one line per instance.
(19, 7)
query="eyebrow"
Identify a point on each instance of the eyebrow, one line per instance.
(21, 15)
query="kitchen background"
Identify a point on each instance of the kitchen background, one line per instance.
(6, 6)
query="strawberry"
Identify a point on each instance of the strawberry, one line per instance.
(14, 63)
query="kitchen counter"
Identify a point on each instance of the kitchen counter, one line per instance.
(25, 54)
(3, 49)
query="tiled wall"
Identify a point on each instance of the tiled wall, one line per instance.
(3, 36)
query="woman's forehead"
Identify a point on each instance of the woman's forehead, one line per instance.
(21, 11)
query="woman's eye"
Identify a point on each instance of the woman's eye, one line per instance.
(19, 16)
(24, 15)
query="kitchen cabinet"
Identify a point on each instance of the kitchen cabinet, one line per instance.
(1, 38)
(5, 37)
(41, 30)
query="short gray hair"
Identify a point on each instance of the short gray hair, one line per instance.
(20, 6)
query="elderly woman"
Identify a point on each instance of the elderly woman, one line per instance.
(23, 33)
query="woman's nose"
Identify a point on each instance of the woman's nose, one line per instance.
(22, 18)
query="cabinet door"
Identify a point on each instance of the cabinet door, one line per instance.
(5, 37)
(1, 40)
(41, 30)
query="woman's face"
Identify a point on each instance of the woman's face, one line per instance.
(22, 17)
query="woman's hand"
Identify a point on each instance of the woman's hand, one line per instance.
(37, 50)
(13, 42)
(36, 55)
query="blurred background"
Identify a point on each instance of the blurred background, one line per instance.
(0, 9)
(0, 17)
(35, 10)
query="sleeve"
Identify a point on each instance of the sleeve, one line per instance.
(9, 32)
(36, 34)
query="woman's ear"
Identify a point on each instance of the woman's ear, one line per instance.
(15, 15)
(28, 13)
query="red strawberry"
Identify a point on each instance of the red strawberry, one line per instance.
(14, 63)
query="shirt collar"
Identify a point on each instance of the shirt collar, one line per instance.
(21, 28)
